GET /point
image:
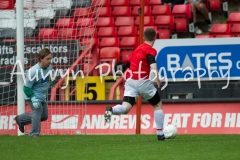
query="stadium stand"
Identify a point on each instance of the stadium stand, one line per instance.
(108, 42)
(109, 55)
(121, 11)
(82, 3)
(67, 33)
(154, 2)
(107, 32)
(161, 10)
(124, 31)
(235, 30)
(7, 4)
(220, 29)
(105, 22)
(233, 18)
(124, 21)
(165, 25)
(135, 11)
(7, 14)
(86, 32)
(128, 42)
(183, 18)
(48, 33)
(137, 3)
(105, 11)
(119, 3)
(124, 54)
(148, 21)
(204, 36)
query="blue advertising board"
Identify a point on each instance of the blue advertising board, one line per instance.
(198, 59)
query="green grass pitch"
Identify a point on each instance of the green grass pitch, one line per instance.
(120, 147)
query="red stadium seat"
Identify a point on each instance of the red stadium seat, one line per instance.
(124, 21)
(65, 23)
(87, 64)
(154, 27)
(147, 11)
(137, 3)
(50, 33)
(121, 11)
(105, 22)
(148, 21)
(105, 12)
(164, 33)
(124, 54)
(214, 5)
(119, 2)
(109, 42)
(182, 16)
(161, 10)
(166, 21)
(204, 36)
(154, 2)
(87, 32)
(82, 12)
(235, 30)
(220, 29)
(182, 10)
(85, 22)
(128, 42)
(109, 55)
(106, 3)
(127, 31)
(107, 32)
(234, 17)
(89, 41)
(67, 33)
(223, 36)
(7, 4)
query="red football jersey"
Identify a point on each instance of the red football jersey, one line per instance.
(139, 66)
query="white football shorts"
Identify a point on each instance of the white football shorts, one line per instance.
(144, 87)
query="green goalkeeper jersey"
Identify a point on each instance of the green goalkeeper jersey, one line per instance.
(37, 82)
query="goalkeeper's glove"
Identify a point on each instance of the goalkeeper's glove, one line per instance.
(36, 102)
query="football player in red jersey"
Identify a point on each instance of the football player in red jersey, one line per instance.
(141, 63)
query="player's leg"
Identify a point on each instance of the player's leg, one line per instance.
(149, 92)
(45, 111)
(128, 101)
(118, 109)
(156, 102)
(35, 120)
(23, 119)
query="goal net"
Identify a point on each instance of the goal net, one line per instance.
(67, 28)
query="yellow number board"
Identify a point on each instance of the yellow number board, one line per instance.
(90, 88)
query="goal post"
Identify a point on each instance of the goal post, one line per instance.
(20, 57)
(68, 29)
(139, 99)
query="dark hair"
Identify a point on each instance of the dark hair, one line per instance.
(43, 53)
(149, 34)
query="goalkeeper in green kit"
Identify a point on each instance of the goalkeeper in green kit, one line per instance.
(35, 92)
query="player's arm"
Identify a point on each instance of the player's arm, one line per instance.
(28, 92)
(153, 66)
(27, 89)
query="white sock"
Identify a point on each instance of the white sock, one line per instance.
(159, 118)
(118, 109)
